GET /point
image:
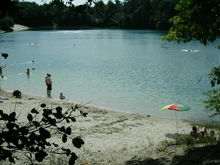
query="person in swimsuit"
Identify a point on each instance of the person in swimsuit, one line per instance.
(48, 83)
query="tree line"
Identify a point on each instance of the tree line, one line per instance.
(135, 14)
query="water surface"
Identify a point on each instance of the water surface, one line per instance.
(124, 70)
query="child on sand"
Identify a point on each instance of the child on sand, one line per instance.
(62, 97)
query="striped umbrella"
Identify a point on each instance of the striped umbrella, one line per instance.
(176, 108)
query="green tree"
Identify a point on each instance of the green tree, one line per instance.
(213, 101)
(99, 12)
(195, 19)
(6, 23)
(163, 10)
(56, 8)
(113, 13)
(144, 14)
(8, 9)
(137, 13)
(199, 20)
(29, 11)
(148, 14)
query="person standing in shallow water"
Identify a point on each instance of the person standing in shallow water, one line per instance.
(28, 72)
(1, 72)
(2, 66)
(48, 83)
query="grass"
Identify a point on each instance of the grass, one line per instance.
(187, 140)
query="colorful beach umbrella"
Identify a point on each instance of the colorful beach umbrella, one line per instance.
(176, 108)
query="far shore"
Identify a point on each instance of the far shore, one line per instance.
(18, 27)
(110, 137)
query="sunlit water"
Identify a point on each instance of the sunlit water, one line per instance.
(122, 70)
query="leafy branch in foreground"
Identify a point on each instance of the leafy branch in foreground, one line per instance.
(213, 102)
(199, 20)
(195, 19)
(36, 138)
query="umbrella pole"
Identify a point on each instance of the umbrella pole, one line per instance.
(176, 123)
(0, 83)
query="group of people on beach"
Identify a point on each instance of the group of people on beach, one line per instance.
(202, 134)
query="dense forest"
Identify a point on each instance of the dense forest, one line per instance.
(135, 14)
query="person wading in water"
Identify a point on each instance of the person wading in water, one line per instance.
(48, 83)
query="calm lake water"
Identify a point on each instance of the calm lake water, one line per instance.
(122, 70)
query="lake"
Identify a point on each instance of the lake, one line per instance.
(122, 70)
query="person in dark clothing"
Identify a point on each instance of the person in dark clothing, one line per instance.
(28, 72)
(2, 66)
(48, 83)
(1, 74)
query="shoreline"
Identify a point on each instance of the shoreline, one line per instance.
(29, 96)
(109, 108)
(105, 108)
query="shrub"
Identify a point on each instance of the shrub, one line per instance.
(189, 141)
(32, 139)
(6, 23)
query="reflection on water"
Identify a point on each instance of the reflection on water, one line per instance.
(118, 69)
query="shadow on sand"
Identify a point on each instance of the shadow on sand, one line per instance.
(200, 155)
(205, 155)
(148, 161)
(174, 136)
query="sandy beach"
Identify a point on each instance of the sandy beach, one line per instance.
(16, 27)
(110, 137)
